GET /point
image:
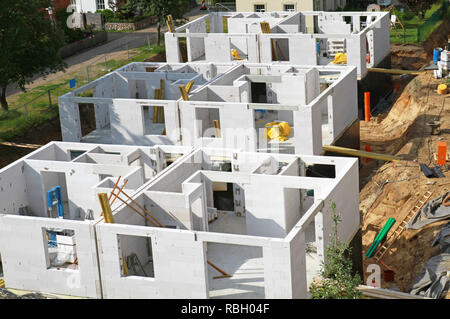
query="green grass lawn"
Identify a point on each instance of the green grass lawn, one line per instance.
(409, 34)
(36, 101)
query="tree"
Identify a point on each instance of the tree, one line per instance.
(29, 43)
(337, 281)
(419, 7)
(162, 8)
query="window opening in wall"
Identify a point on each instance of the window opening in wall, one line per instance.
(208, 122)
(172, 157)
(280, 49)
(135, 256)
(60, 248)
(87, 118)
(75, 153)
(260, 8)
(225, 24)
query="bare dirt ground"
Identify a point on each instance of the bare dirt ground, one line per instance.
(390, 190)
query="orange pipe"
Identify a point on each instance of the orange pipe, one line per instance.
(367, 106)
(368, 149)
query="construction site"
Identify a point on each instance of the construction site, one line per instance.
(214, 173)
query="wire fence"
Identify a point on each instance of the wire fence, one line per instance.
(419, 32)
(425, 29)
(40, 104)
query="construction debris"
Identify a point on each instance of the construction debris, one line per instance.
(432, 212)
(434, 279)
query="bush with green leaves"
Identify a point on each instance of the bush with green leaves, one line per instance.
(337, 281)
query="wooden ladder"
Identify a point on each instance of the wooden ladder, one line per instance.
(401, 227)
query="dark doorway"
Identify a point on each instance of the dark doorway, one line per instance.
(259, 92)
(224, 200)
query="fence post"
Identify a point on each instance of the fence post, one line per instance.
(87, 73)
(49, 99)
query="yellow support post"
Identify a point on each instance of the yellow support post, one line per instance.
(162, 89)
(183, 92)
(106, 208)
(156, 108)
(170, 24)
(281, 51)
(189, 86)
(358, 153)
(217, 127)
(265, 28)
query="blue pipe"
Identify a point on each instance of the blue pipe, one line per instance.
(53, 195)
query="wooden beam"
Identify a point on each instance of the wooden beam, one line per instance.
(183, 92)
(106, 208)
(358, 153)
(394, 71)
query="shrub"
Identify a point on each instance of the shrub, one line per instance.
(337, 281)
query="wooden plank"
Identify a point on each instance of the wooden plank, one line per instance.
(381, 293)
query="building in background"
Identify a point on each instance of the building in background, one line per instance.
(288, 5)
(94, 5)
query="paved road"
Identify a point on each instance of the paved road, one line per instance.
(117, 45)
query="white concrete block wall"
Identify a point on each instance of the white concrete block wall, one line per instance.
(13, 190)
(344, 105)
(24, 262)
(179, 264)
(308, 130)
(218, 48)
(195, 46)
(69, 116)
(285, 269)
(258, 211)
(172, 48)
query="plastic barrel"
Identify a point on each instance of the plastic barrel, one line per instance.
(436, 55)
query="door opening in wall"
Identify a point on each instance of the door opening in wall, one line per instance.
(135, 256)
(259, 92)
(153, 118)
(244, 263)
(49, 181)
(60, 248)
(223, 196)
